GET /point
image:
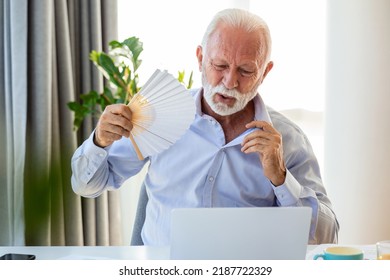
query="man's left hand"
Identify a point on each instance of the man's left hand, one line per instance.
(267, 142)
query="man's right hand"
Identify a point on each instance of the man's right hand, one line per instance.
(114, 123)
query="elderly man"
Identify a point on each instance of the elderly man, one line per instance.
(236, 153)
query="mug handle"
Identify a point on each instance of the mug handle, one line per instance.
(318, 256)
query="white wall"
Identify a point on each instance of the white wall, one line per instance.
(357, 118)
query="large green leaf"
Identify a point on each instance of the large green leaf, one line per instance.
(106, 62)
(136, 48)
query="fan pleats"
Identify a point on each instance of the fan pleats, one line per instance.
(162, 111)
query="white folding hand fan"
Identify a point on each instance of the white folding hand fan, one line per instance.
(162, 111)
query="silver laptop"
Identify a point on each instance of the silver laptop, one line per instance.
(256, 233)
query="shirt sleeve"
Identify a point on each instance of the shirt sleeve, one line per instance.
(91, 167)
(304, 187)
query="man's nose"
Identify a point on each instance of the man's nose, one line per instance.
(230, 79)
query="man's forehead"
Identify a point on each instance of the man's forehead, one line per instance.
(233, 53)
(234, 40)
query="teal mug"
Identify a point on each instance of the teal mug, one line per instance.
(340, 253)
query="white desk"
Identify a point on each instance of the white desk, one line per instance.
(90, 252)
(131, 252)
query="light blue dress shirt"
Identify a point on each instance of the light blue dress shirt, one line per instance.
(201, 170)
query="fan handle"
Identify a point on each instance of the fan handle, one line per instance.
(137, 150)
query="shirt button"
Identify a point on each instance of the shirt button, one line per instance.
(101, 155)
(211, 178)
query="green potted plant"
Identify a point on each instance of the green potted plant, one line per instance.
(119, 66)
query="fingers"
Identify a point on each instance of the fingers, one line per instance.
(257, 144)
(267, 143)
(114, 123)
(264, 137)
(119, 109)
(265, 126)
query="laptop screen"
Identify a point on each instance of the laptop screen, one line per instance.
(274, 233)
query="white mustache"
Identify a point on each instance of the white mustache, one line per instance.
(221, 89)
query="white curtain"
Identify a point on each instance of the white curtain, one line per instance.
(44, 47)
(13, 104)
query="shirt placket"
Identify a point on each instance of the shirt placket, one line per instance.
(211, 178)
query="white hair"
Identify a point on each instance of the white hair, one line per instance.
(241, 19)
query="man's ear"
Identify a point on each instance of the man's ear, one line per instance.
(268, 68)
(199, 55)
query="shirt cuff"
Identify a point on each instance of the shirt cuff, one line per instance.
(94, 156)
(288, 193)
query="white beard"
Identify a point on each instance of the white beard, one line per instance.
(241, 99)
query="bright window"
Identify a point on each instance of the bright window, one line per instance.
(171, 30)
